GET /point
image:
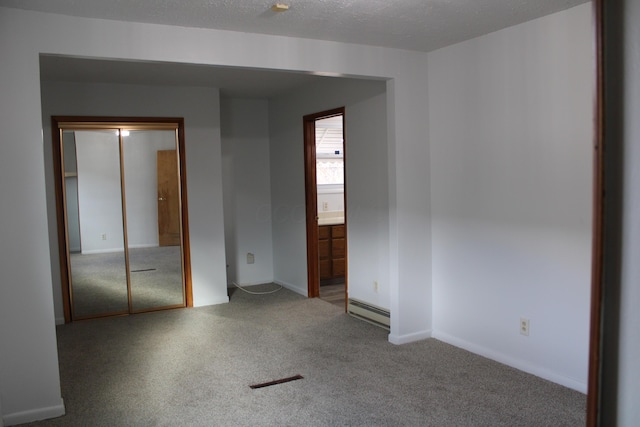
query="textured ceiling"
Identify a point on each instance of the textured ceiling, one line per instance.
(422, 25)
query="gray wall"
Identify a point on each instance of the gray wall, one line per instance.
(71, 191)
(247, 189)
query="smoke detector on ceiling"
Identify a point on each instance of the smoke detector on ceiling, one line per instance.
(280, 7)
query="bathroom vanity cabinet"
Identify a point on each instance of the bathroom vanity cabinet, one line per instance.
(331, 250)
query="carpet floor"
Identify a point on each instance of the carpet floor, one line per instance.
(194, 367)
(99, 281)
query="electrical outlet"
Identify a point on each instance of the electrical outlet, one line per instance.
(325, 206)
(524, 326)
(251, 258)
(103, 236)
(375, 286)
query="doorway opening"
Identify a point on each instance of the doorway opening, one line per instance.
(122, 217)
(326, 207)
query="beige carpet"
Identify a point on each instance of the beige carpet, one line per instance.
(193, 367)
(99, 281)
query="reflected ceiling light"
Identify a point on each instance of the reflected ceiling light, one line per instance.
(124, 133)
(280, 7)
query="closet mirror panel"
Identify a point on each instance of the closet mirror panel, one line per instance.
(123, 234)
(152, 190)
(97, 261)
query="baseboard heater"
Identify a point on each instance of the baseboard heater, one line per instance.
(369, 313)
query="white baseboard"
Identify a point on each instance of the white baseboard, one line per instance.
(244, 284)
(144, 245)
(213, 301)
(102, 251)
(408, 338)
(34, 415)
(513, 362)
(113, 250)
(294, 288)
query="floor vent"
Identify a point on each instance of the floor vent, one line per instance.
(369, 313)
(275, 382)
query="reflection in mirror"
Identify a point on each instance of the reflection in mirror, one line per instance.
(121, 202)
(94, 223)
(153, 218)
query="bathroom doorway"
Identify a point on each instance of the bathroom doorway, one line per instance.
(325, 180)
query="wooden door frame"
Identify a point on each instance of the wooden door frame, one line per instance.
(56, 121)
(311, 198)
(597, 250)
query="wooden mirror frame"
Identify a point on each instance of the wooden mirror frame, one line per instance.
(92, 122)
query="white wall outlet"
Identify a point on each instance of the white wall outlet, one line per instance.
(375, 286)
(325, 206)
(251, 258)
(103, 236)
(524, 326)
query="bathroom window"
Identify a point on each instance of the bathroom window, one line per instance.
(330, 171)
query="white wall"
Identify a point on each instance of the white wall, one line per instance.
(621, 341)
(200, 109)
(99, 195)
(334, 199)
(141, 183)
(244, 125)
(71, 191)
(29, 378)
(511, 164)
(30, 386)
(100, 204)
(367, 188)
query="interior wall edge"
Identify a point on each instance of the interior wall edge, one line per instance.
(409, 338)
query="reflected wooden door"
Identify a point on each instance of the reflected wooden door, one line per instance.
(168, 199)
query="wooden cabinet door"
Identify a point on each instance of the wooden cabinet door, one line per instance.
(324, 252)
(337, 248)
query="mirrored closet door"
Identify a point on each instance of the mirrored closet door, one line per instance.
(121, 216)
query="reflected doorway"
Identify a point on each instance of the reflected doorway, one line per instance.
(123, 231)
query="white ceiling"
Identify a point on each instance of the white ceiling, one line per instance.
(422, 25)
